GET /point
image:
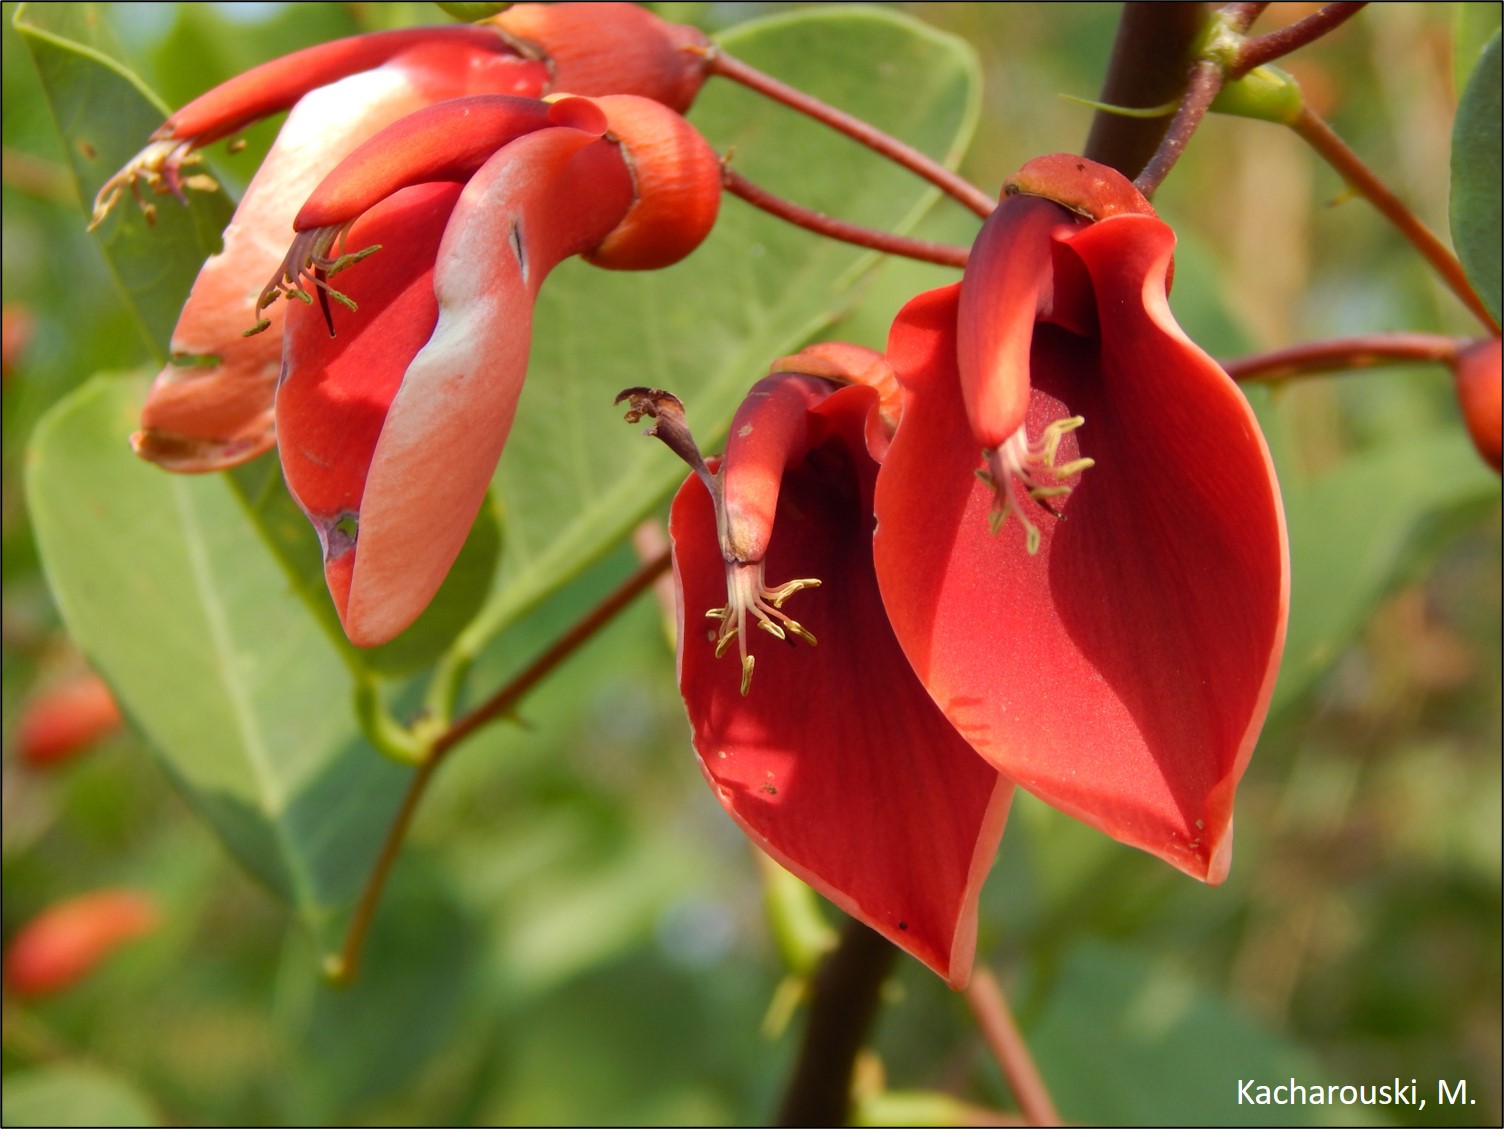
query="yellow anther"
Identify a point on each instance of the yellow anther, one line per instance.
(1034, 466)
(746, 592)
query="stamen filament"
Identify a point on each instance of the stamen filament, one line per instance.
(159, 165)
(309, 259)
(1033, 466)
(746, 591)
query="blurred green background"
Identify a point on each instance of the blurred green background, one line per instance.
(575, 935)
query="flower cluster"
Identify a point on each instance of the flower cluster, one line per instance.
(1116, 659)
(1036, 542)
(441, 173)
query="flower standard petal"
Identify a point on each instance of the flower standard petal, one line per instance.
(1124, 672)
(835, 760)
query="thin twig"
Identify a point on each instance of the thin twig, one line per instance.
(345, 968)
(854, 128)
(990, 1006)
(1349, 354)
(1267, 48)
(1240, 16)
(1364, 182)
(1205, 82)
(843, 1005)
(910, 247)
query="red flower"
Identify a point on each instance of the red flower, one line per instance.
(833, 758)
(1117, 660)
(390, 430)
(1121, 672)
(212, 406)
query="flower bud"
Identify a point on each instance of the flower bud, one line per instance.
(1477, 376)
(69, 940)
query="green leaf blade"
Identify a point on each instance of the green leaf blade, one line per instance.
(1475, 178)
(105, 114)
(163, 582)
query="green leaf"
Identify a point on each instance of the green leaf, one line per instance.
(1475, 178)
(574, 478)
(1126, 1040)
(105, 114)
(287, 533)
(75, 1097)
(1473, 25)
(164, 583)
(1357, 530)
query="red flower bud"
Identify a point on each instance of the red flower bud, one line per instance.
(61, 721)
(1477, 376)
(66, 942)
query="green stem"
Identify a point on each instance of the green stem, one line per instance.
(344, 968)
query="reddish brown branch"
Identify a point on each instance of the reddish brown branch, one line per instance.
(1150, 66)
(854, 128)
(1353, 353)
(1363, 181)
(345, 968)
(1267, 48)
(1205, 83)
(882, 242)
(990, 1006)
(843, 1005)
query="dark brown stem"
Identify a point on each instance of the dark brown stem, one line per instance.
(854, 128)
(1267, 48)
(860, 235)
(1354, 353)
(843, 1005)
(345, 968)
(990, 1006)
(1364, 182)
(1206, 81)
(1150, 66)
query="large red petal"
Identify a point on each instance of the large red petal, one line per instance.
(1124, 672)
(836, 761)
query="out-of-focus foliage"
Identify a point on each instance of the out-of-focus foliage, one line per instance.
(574, 934)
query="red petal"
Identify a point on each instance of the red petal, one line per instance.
(337, 389)
(612, 49)
(277, 85)
(836, 761)
(1124, 672)
(1007, 286)
(69, 940)
(548, 195)
(446, 142)
(209, 415)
